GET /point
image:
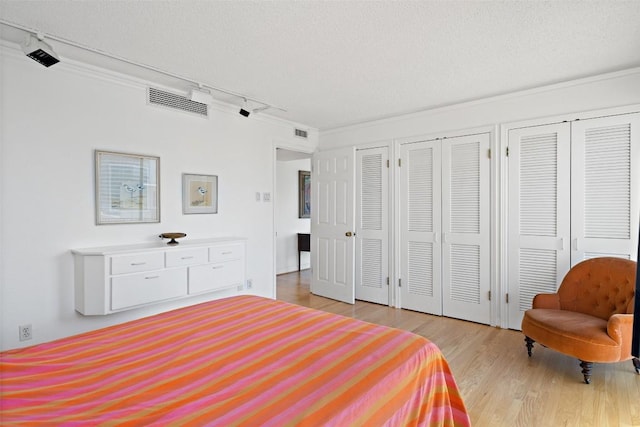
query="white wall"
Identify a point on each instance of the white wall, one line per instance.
(287, 222)
(590, 94)
(51, 122)
(611, 90)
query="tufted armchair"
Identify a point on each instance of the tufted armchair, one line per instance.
(591, 315)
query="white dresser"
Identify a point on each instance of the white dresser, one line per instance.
(116, 278)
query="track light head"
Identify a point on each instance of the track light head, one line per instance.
(244, 109)
(36, 49)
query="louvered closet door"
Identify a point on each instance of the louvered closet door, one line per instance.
(372, 225)
(605, 187)
(420, 227)
(539, 214)
(332, 224)
(466, 228)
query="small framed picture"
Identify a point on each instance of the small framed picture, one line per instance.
(127, 188)
(304, 194)
(199, 194)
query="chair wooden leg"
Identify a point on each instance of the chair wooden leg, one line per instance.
(529, 342)
(636, 364)
(586, 370)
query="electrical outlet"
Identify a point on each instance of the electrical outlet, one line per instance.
(266, 197)
(24, 332)
(249, 284)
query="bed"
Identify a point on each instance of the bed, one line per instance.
(239, 361)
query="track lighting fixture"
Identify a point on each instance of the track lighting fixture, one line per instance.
(243, 111)
(257, 110)
(35, 48)
(38, 50)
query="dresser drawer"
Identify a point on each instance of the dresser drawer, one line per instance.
(181, 257)
(143, 288)
(137, 262)
(203, 278)
(226, 252)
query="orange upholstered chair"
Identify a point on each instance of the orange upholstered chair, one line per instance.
(591, 315)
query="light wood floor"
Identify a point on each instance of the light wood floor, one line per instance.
(500, 385)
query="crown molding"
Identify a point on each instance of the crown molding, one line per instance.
(480, 101)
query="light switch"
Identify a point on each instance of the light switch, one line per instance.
(257, 196)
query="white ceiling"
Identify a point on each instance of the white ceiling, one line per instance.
(333, 63)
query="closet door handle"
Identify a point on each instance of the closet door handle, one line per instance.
(435, 237)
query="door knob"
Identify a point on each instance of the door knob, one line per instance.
(348, 234)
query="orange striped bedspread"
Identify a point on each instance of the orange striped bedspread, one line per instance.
(240, 361)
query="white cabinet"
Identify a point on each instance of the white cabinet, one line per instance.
(186, 257)
(444, 227)
(574, 194)
(372, 225)
(123, 264)
(131, 290)
(116, 278)
(226, 252)
(209, 277)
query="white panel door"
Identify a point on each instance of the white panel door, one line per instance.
(420, 227)
(466, 228)
(372, 225)
(539, 213)
(332, 224)
(605, 187)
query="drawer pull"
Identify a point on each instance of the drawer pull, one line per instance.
(138, 263)
(227, 253)
(187, 257)
(152, 277)
(217, 267)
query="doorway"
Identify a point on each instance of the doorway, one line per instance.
(291, 220)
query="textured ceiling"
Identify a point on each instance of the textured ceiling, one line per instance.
(332, 63)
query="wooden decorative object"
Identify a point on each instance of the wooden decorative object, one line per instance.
(173, 237)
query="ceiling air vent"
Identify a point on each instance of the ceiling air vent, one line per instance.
(301, 133)
(165, 99)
